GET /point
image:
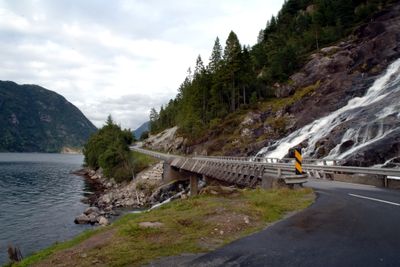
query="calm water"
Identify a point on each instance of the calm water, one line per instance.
(39, 200)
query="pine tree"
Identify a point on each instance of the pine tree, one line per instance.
(154, 117)
(216, 56)
(199, 69)
(232, 64)
(109, 120)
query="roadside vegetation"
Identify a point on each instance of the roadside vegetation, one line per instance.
(141, 161)
(108, 149)
(194, 225)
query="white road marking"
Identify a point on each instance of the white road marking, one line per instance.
(375, 199)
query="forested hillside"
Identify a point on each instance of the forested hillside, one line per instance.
(240, 77)
(34, 119)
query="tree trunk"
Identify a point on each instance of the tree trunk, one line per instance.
(233, 93)
(316, 39)
(204, 106)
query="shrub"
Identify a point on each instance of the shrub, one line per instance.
(108, 148)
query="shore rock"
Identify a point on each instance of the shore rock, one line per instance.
(103, 221)
(110, 195)
(82, 219)
(91, 210)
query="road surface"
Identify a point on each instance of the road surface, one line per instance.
(348, 225)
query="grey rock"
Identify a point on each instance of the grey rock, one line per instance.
(151, 224)
(82, 219)
(103, 221)
(91, 210)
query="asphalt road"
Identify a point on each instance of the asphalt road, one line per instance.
(348, 225)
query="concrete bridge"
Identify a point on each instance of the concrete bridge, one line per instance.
(267, 172)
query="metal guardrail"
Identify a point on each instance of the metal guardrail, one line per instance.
(278, 160)
(286, 165)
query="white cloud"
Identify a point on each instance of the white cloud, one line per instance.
(118, 57)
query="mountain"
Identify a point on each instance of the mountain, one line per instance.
(336, 98)
(143, 128)
(34, 119)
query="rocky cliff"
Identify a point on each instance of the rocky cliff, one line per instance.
(34, 119)
(321, 108)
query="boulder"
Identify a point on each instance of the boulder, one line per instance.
(82, 219)
(107, 198)
(92, 218)
(151, 224)
(246, 133)
(103, 221)
(91, 210)
(284, 90)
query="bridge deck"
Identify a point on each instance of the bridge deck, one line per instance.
(250, 171)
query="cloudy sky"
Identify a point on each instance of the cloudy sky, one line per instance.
(118, 57)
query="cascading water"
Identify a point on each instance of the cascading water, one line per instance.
(364, 122)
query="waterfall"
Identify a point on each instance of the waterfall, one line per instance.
(363, 121)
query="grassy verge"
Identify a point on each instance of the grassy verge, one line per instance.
(142, 161)
(199, 224)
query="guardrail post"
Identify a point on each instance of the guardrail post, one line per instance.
(266, 181)
(193, 185)
(298, 161)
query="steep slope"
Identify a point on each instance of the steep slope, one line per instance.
(34, 119)
(328, 91)
(364, 132)
(353, 113)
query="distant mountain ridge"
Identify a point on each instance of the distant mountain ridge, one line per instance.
(141, 129)
(35, 119)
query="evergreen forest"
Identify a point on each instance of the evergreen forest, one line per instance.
(238, 77)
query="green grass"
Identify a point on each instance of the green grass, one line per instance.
(142, 161)
(189, 226)
(57, 247)
(277, 103)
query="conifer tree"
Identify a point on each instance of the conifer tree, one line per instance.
(216, 56)
(199, 69)
(232, 65)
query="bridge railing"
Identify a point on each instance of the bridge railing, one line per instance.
(279, 160)
(285, 165)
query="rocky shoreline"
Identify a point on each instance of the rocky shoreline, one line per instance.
(144, 191)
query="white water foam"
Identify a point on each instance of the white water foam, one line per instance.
(320, 128)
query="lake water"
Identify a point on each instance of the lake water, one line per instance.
(39, 199)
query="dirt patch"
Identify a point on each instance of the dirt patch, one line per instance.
(229, 223)
(73, 256)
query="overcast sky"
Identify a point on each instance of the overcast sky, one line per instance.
(118, 57)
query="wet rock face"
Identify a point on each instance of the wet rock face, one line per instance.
(384, 152)
(348, 69)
